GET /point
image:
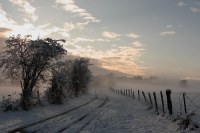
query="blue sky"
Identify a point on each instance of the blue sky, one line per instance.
(135, 37)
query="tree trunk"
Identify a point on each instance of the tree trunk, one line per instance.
(25, 99)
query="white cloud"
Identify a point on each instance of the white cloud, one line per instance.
(169, 26)
(44, 26)
(110, 35)
(27, 8)
(84, 14)
(132, 35)
(69, 26)
(137, 44)
(65, 1)
(181, 3)
(70, 6)
(165, 33)
(193, 9)
(79, 40)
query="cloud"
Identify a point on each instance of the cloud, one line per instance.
(137, 44)
(122, 59)
(165, 33)
(69, 26)
(110, 35)
(70, 6)
(181, 3)
(169, 26)
(27, 28)
(132, 35)
(193, 9)
(5, 21)
(79, 40)
(44, 30)
(27, 8)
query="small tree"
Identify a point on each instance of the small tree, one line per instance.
(58, 82)
(29, 61)
(81, 75)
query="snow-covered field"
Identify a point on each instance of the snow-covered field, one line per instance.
(117, 114)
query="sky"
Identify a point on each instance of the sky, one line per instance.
(133, 37)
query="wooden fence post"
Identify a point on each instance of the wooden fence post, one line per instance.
(144, 96)
(133, 95)
(163, 106)
(139, 95)
(150, 98)
(184, 102)
(155, 99)
(169, 101)
(129, 91)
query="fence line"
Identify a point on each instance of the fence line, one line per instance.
(166, 101)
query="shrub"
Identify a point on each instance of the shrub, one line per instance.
(8, 104)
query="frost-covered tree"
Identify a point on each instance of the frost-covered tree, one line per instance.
(81, 75)
(58, 83)
(29, 61)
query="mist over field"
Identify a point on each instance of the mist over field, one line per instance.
(144, 84)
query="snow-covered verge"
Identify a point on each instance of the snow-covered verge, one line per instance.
(149, 121)
(120, 114)
(11, 120)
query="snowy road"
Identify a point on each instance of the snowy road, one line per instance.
(66, 120)
(118, 114)
(126, 115)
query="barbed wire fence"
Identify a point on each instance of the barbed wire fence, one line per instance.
(175, 105)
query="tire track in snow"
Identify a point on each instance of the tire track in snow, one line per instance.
(21, 128)
(67, 120)
(81, 123)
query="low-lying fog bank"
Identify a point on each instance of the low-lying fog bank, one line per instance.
(106, 81)
(145, 84)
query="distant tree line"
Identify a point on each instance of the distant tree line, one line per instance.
(34, 61)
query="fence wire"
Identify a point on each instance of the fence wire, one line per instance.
(192, 100)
